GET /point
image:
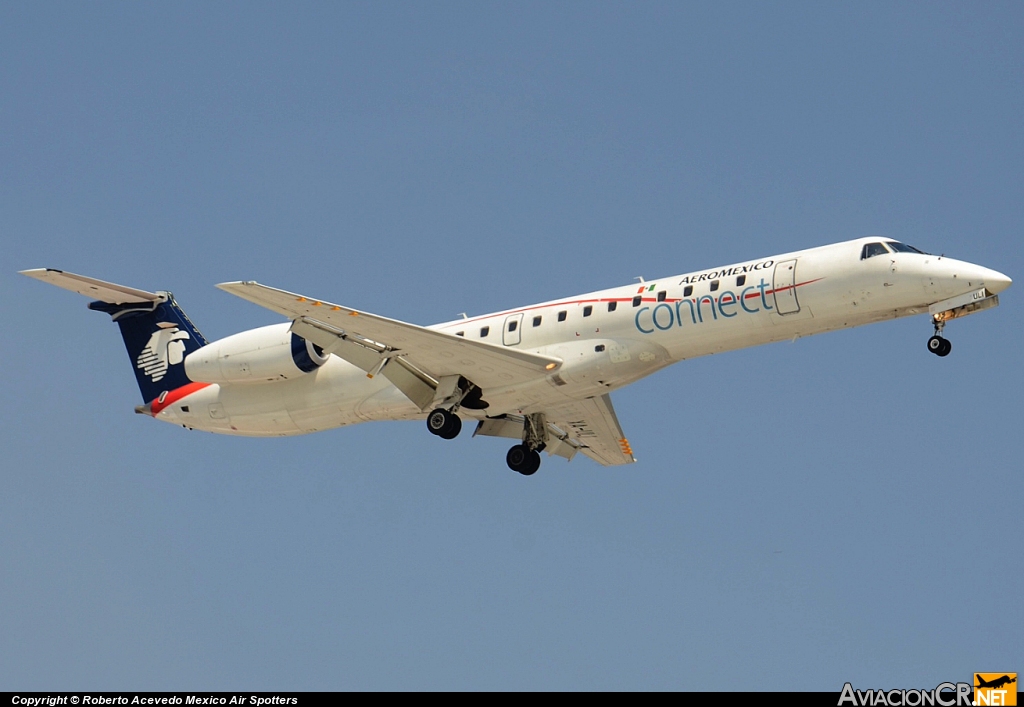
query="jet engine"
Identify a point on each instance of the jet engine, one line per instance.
(270, 353)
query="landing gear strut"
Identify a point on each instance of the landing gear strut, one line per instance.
(452, 393)
(936, 344)
(444, 424)
(525, 457)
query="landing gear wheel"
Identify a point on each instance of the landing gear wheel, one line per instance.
(453, 429)
(523, 459)
(533, 463)
(939, 346)
(516, 457)
(444, 424)
(437, 421)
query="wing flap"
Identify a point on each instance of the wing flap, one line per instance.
(333, 340)
(372, 358)
(510, 426)
(410, 381)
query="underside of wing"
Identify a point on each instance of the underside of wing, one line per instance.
(415, 358)
(593, 424)
(589, 426)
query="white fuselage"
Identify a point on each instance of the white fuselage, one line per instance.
(605, 339)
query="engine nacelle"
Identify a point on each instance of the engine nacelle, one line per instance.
(270, 353)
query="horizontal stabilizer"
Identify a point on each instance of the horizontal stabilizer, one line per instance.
(97, 289)
(157, 334)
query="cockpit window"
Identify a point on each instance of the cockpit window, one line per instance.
(871, 250)
(903, 248)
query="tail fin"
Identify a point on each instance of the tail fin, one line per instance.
(157, 333)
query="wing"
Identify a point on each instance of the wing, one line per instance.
(589, 426)
(424, 357)
(593, 424)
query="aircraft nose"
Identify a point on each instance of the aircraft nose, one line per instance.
(995, 281)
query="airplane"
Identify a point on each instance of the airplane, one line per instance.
(541, 375)
(996, 683)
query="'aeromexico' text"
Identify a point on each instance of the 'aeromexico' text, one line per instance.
(724, 272)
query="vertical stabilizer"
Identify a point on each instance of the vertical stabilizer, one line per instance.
(156, 332)
(158, 335)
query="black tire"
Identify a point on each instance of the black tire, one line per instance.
(453, 429)
(947, 346)
(533, 463)
(439, 421)
(936, 345)
(517, 458)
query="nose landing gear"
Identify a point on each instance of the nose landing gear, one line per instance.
(938, 345)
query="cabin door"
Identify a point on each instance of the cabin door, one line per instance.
(512, 333)
(784, 285)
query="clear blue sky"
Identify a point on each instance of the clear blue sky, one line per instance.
(839, 508)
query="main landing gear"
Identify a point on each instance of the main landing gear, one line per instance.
(523, 459)
(444, 424)
(936, 344)
(454, 392)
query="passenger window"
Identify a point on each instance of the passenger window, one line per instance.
(561, 316)
(484, 331)
(741, 281)
(599, 348)
(637, 300)
(536, 321)
(871, 250)
(662, 295)
(588, 310)
(612, 306)
(714, 285)
(512, 325)
(688, 290)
